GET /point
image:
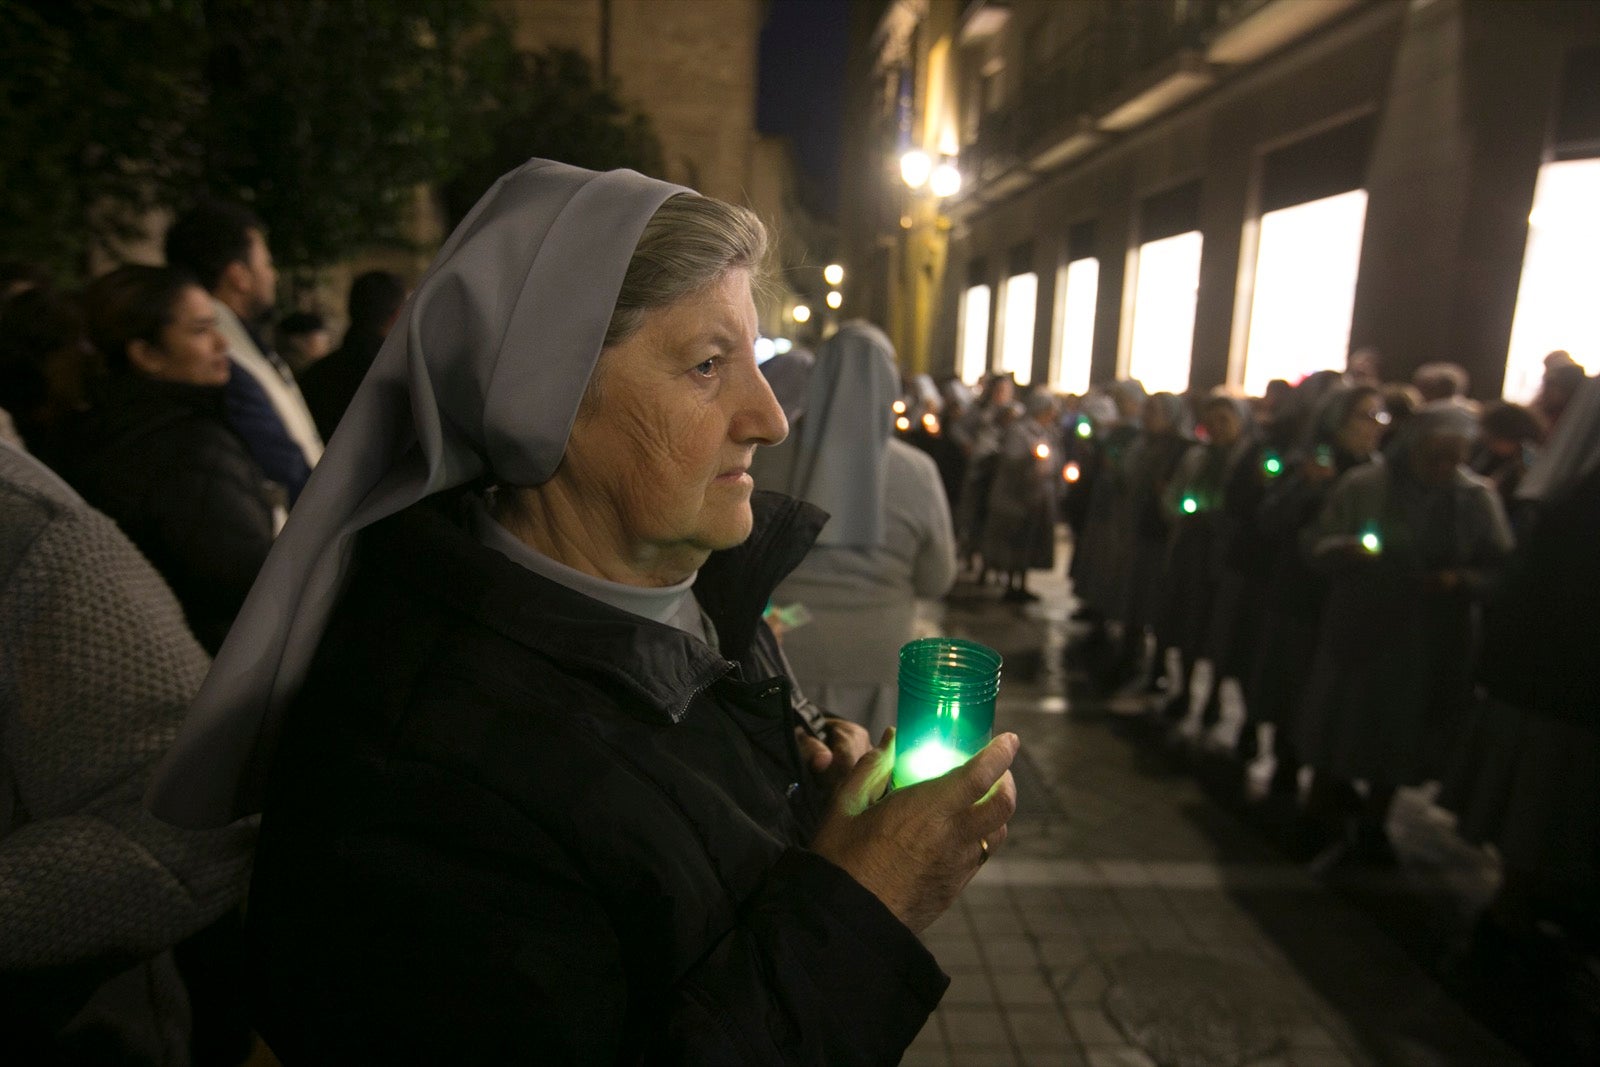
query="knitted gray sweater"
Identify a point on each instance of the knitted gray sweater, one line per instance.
(96, 669)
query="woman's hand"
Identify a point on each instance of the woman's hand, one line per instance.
(916, 848)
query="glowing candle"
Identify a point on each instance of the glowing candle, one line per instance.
(1071, 472)
(1085, 430)
(1371, 543)
(1190, 505)
(946, 713)
(902, 424)
(1272, 465)
(1041, 450)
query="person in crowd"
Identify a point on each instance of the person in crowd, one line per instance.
(1163, 439)
(1243, 561)
(929, 434)
(1440, 381)
(96, 669)
(534, 784)
(979, 434)
(1019, 531)
(1364, 367)
(1194, 502)
(1344, 434)
(1563, 376)
(376, 298)
(302, 340)
(1410, 546)
(1530, 778)
(158, 454)
(1400, 402)
(47, 370)
(789, 375)
(225, 247)
(1102, 557)
(1510, 439)
(889, 540)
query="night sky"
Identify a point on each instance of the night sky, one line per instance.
(801, 92)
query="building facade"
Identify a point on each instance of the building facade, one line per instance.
(1205, 193)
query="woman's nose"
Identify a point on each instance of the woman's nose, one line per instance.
(761, 420)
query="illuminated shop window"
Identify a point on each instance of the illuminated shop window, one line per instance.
(1163, 312)
(1020, 296)
(1305, 288)
(1079, 289)
(1557, 305)
(973, 359)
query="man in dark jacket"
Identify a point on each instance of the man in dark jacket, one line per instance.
(328, 384)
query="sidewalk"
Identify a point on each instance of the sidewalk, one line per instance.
(1131, 920)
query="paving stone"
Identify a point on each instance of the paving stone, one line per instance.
(1188, 1009)
(966, 1027)
(1123, 1056)
(957, 957)
(1092, 1028)
(1039, 1028)
(1009, 953)
(970, 989)
(1086, 984)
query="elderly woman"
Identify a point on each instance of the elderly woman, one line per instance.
(540, 794)
(889, 541)
(1409, 546)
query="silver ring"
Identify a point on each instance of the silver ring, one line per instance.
(983, 848)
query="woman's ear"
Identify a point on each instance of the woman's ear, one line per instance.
(145, 358)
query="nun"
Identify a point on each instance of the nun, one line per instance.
(889, 541)
(534, 786)
(1410, 546)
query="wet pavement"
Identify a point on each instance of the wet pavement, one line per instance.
(1137, 916)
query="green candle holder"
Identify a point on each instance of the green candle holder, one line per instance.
(946, 715)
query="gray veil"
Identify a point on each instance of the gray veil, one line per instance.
(482, 373)
(834, 456)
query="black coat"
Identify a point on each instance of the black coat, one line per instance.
(331, 382)
(508, 823)
(161, 459)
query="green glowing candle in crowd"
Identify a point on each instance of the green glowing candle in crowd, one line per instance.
(1190, 505)
(1371, 543)
(1272, 465)
(1085, 429)
(946, 714)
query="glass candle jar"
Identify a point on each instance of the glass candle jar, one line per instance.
(946, 715)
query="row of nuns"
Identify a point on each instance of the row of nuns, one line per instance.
(1399, 583)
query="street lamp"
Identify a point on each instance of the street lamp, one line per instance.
(915, 167)
(945, 179)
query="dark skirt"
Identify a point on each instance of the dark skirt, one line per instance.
(1391, 682)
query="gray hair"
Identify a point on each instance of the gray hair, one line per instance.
(689, 243)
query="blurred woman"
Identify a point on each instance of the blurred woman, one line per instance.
(888, 541)
(1019, 531)
(1530, 777)
(1154, 457)
(1409, 546)
(1194, 502)
(160, 458)
(1344, 435)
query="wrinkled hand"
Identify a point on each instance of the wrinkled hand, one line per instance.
(834, 755)
(919, 846)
